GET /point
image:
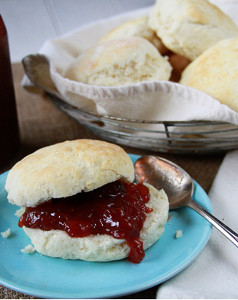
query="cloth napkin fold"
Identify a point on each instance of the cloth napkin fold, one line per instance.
(214, 274)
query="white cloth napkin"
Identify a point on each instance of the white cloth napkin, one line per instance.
(214, 274)
(169, 101)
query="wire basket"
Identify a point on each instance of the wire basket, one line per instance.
(191, 137)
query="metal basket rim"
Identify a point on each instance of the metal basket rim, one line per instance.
(137, 121)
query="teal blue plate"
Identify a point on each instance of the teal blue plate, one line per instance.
(46, 277)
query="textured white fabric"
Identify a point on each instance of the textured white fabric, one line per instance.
(214, 274)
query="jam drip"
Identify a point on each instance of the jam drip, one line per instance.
(117, 209)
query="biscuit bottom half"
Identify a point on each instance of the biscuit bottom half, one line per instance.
(103, 247)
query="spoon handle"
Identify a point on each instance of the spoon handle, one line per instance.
(229, 233)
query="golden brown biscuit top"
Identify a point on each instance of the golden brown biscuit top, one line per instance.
(65, 169)
(215, 72)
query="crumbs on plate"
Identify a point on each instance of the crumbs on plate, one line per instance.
(5, 234)
(29, 249)
(178, 234)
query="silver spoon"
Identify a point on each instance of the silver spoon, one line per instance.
(178, 186)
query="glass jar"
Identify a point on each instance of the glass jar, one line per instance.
(9, 134)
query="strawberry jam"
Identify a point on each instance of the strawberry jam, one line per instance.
(117, 209)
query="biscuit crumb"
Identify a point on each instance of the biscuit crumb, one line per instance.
(6, 234)
(29, 249)
(178, 234)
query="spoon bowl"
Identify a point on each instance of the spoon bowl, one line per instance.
(178, 185)
(166, 175)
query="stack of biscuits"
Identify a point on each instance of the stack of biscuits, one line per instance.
(191, 42)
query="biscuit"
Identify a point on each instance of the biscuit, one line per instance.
(120, 62)
(215, 72)
(57, 243)
(136, 27)
(65, 169)
(189, 27)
